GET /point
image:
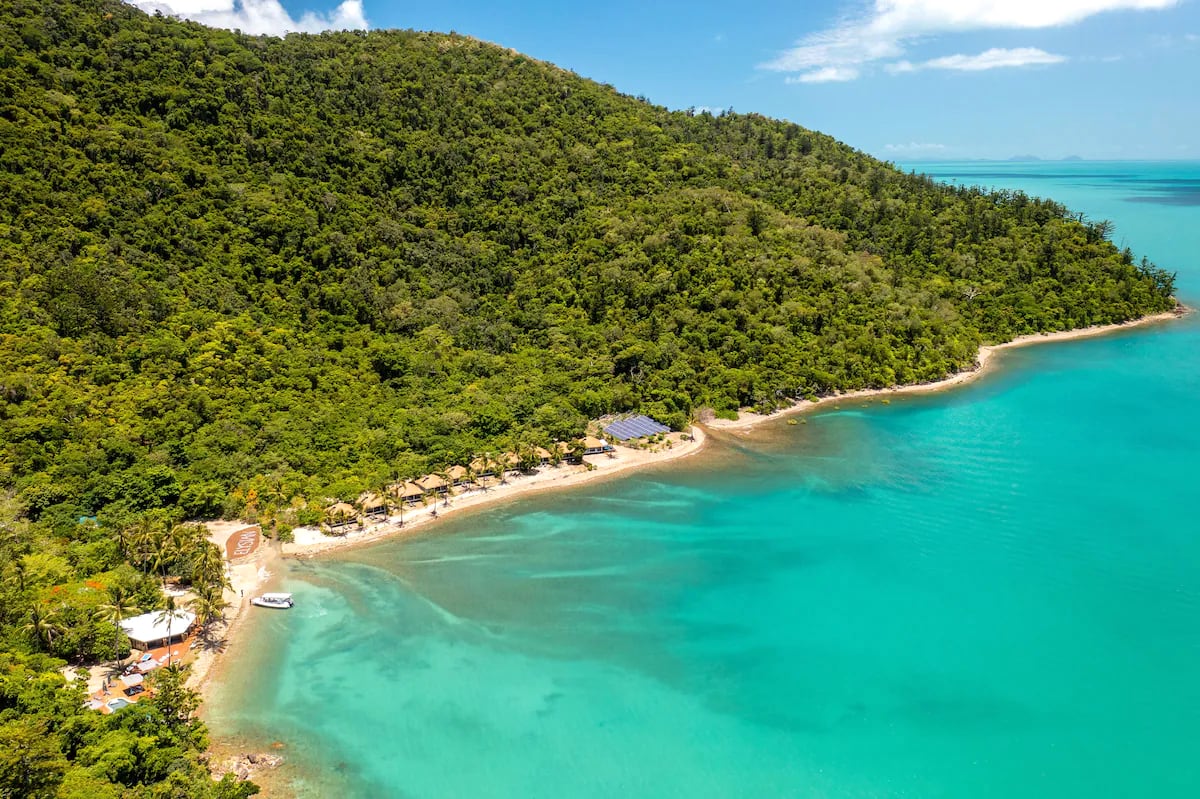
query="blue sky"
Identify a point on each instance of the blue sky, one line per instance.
(901, 79)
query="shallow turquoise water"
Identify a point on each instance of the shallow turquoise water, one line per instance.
(993, 592)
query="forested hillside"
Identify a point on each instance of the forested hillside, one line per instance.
(242, 276)
(241, 270)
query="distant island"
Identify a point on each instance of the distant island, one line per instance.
(255, 278)
(1021, 158)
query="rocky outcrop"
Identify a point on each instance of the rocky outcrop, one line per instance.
(244, 765)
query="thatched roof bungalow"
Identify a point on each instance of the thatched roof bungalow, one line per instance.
(407, 492)
(372, 504)
(483, 467)
(431, 483)
(459, 475)
(340, 515)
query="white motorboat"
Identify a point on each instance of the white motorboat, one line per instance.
(280, 601)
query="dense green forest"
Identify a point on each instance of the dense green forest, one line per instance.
(297, 267)
(243, 274)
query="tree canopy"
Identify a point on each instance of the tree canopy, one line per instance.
(242, 275)
(299, 266)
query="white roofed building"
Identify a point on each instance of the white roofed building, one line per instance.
(157, 628)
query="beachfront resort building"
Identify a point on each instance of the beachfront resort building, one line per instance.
(432, 484)
(407, 492)
(373, 505)
(340, 516)
(459, 476)
(483, 467)
(595, 446)
(157, 628)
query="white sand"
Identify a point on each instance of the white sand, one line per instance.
(310, 540)
(984, 363)
(249, 575)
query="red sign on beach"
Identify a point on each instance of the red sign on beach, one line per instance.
(242, 543)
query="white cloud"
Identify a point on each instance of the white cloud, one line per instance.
(995, 58)
(825, 75)
(890, 26)
(989, 59)
(259, 16)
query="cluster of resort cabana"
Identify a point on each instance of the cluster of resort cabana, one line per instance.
(482, 473)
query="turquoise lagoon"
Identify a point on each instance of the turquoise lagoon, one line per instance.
(989, 592)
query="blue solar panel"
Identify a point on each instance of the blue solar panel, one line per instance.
(635, 427)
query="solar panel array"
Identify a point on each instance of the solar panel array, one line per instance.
(635, 427)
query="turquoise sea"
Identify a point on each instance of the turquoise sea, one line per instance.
(990, 592)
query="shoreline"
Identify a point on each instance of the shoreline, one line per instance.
(246, 577)
(254, 573)
(310, 541)
(984, 363)
(258, 570)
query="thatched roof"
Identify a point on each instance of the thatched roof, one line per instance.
(457, 473)
(369, 499)
(431, 482)
(343, 509)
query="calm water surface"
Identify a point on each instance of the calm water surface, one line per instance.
(993, 592)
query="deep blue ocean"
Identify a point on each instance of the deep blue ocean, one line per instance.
(989, 592)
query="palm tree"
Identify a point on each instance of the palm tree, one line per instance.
(428, 498)
(167, 614)
(382, 491)
(485, 463)
(44, 625)
(209, 606)
(529, 456)
(140, 540)
(120, 604)
(162, 554)
(186, 539)
(449, 485)
(208, 566)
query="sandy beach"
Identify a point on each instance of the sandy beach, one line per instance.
(251, 574)
(984, 363)
(311, 541)
(247, 577)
